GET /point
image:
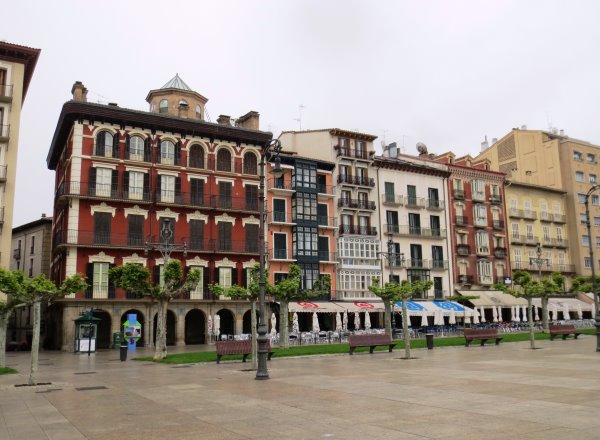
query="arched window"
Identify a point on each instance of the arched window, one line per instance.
(183, 102)
(198, 112)
(136, 148)
(104, 144)
(163, 107)
(196, 156)
(167, 152)
(250, 163)
(224, 160)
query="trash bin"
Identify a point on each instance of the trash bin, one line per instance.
(116, 340)
(429, 338)
(123, 351)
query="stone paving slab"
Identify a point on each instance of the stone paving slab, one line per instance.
(491, 392)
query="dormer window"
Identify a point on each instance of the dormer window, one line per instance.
(163, 106)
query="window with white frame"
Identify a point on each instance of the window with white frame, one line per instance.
(136, 148)
(478, 190)
(480, 215)
(198, 292)
(484, 272)
(593, 179)
(577, 155)
(559, 233)
(167, 152)
(595, 199)
(561, 261)
(527, 207)
(103, 181)
(557, 209)
(579, 177)
(581, 198)
(515, 231)
(582, 218)
(517, 258)
(482, 240)
(100, 281)
(136, 185)
(585, 240)
(225, 276)
(167, 188)
(546, 231)
(529, 231)
(591, 158)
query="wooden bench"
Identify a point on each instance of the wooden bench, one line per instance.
(563, 330)
(482, 334)
(370, 341)
(238, 347)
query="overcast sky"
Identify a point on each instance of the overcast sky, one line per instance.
(446, 73)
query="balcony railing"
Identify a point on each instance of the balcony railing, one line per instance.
(498, 224)
(529, 240)
(392, 200)
(465, 279)
(545, 216)
(463, 249)
(414, 202)
(357, 230)
(435, 204)
(415, 231)
(482, 250)
(459, 193)
(326, 222)
(2, 173)
(546, 268)
(559, 218)
(357, 204)
(324, 189)
(462, 220)
(355, 295)
(351, 152)
(522, 213)
(500, 252)
(327, 256)
(5, 92)
(4, 131)
(279, 217)
(485, 279)
(439, 264)
(495, 199)
(356, 180)
(280, 254)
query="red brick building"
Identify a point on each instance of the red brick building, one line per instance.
(477, 223)
(120, 174)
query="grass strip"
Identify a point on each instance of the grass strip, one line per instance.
(324, 349)
(8, 371)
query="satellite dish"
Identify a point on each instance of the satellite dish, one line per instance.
(421, 148)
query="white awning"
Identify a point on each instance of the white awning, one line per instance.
(428, 308)
(571, 303)
(358, 306)
(488, 298)
(310, 307)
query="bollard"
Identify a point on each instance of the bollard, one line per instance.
(123, 351)
(429, 338)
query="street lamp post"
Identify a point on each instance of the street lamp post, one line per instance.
(591, 250)
(270, 150)
(539, 261)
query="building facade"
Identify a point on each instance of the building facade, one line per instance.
(355, 204)
(478, 223)
(413, 215)
(122, 176)
(301, 223)
(17, 64)
(551, 159)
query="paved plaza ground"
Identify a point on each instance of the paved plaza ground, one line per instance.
(503, 392)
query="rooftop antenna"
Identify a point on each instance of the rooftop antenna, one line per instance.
(299, 118)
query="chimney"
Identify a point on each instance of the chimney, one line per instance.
(43, 215)
(79, 91)
(249, 120)
(484, 144)
(224, 120)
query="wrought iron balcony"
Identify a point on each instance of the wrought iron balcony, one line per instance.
(500, 252)
(465, 279)
(357, 230)
(459, 194)
(463, 249)
(357, 204)
(498, 224)
(495, 199)
(416, 231)
(356, 180)
(435, 204)
(462, 220)
(392, 200)
(351, 152)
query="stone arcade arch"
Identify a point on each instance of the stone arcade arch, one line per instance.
(227, 322)
(195, 327)
(103, 336)
(171, 326)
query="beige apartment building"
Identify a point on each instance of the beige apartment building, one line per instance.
(17, 64)
(551, 161)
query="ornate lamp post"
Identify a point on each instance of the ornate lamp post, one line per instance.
(166, 244)
(539, 261)
(591, 249)
(270, 150)
(393, 259)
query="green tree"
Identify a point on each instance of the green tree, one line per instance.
(392, 292)
(526, 287)
(38, 290)
(10, 285)
(134, 278)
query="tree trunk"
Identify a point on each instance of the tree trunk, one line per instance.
(387, 317)
(253, 323)
(160, 351)
(3, 326)
(405, 333)
(35, 343)
(283, 324)
(530, 319)
(545, 315)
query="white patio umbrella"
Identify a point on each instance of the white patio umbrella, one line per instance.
(438, 318)
(517, 310)
(524, 313)
(217, 322)
(315, 326)
(579, 311)
(295, 324)
(554, 312)
(500, 314)
(338, 322)
(424, 320)
(452, 319)
(367, 321)
(273, 325)
(210, 325)
(476, 316)
(356, 321)
(512, 313)
(536, 317)
(468, 316)
(345, 321)
(481, 314)
(494, 314)
(566, 314)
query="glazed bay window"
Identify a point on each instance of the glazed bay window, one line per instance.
(482, 240)
(480, 215)
(484, 272)
(305, 242)
(280, 246)
(304, 206)
(305, 176)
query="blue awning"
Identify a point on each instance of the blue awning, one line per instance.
(419, 308)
